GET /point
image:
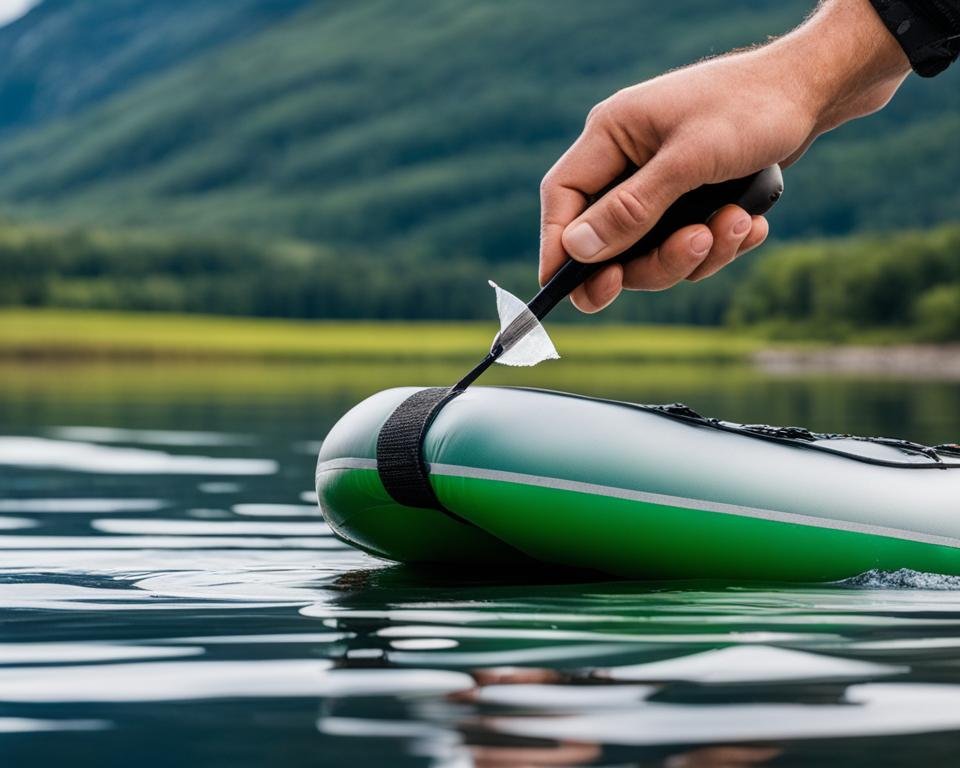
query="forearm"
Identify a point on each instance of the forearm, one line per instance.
(843, 61)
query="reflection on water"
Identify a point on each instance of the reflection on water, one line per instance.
(169, 593)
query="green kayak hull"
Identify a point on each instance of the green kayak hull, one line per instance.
(637, 493)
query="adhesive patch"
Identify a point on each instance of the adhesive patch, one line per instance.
(524, 339)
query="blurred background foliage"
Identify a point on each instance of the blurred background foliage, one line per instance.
(321, 159)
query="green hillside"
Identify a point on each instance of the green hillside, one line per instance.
(311, 158)
(907, 284)
(424, 127)
(66, 55)
(902, 286)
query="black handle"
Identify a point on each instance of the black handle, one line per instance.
(756, 194)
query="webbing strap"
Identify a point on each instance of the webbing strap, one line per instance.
(400, 462)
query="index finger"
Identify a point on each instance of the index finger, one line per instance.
(591, 163)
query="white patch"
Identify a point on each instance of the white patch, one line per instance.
(535, 346)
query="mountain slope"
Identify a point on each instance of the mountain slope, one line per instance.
(425, 127)
(66, 55)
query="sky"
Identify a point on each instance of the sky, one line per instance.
(11, 10)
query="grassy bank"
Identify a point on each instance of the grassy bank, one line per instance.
(68, 335)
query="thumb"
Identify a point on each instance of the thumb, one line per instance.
(629, 210)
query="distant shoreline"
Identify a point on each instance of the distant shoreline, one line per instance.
(914, 361)
(75, 337)
(68, 336)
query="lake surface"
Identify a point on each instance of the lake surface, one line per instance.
(169, 595)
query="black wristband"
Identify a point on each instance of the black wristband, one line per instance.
(927, 30)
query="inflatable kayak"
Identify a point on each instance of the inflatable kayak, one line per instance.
(496, 475)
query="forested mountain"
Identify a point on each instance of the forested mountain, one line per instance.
(67, 55)
(408, 132)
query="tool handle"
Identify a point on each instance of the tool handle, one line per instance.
(756, 194)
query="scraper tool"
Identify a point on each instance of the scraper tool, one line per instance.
(522, 340)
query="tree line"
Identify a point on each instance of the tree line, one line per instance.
(909, 282)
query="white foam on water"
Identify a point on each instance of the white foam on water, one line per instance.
(309, 497)
(751, 664)
(309, 638)
(565, 654)
(43, 453)
(871, 709)
(181, 681)
(15, 595)
(424, 644)
(271, 584)
(67, 597)
(147, 604)
(205, 528)
(172, 579)
(166, 542)
(207, 513)
(47, 653)
(906, 644)
(33, 725)
(173, 564)
(904, 578)
(276, 510)
(15, 523)
(365, 653)
(436, 745)
(80, 506)
(150, 436)
(829, 604)
(219, 487)
(520, 633)
(391, 729)
(537, 697)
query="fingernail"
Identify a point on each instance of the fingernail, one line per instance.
(742, 226)
(700, 243)
(582, 242)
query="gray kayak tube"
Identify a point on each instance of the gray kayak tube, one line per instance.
(635, 491)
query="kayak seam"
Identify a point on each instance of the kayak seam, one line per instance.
(628, 494)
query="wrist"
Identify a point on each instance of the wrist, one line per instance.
(843, 61)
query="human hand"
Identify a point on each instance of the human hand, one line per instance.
(716, 120)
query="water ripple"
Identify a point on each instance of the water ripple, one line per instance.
(80, 506)
(150, 436)
(127, 598)
(43, 453)
(202, 528)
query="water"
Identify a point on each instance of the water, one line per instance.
(169, 595)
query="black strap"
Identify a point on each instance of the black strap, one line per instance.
(927, 30)
(400, 462)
